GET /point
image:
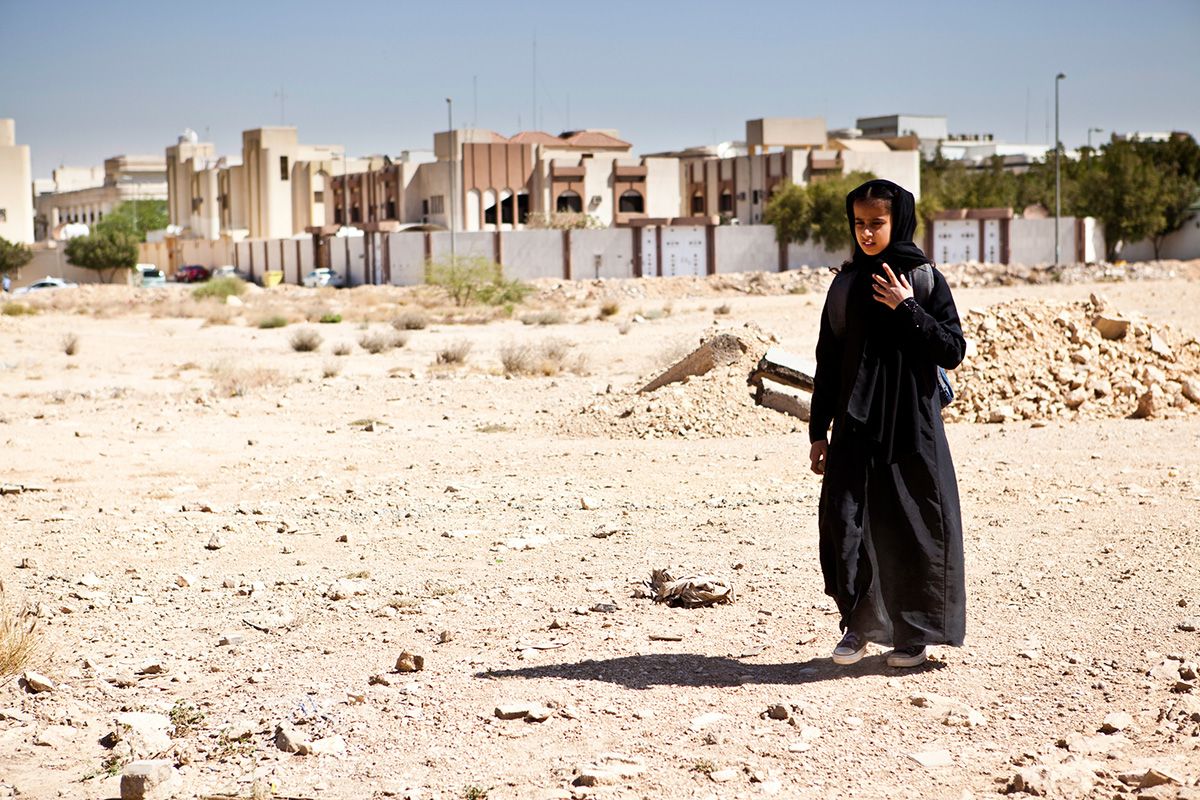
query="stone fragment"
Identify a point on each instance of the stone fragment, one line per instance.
(589, 503)
(1156, 777)
(290, 740)
(609, 769)
(231, 639)
(1116, 721)
(538, 714)
(720, 350)
(722, 775)
(704, 720)
(409, 662)
(1111, 327)
(445, 636)
(183, 580)
(215, 542)
(779, 711)
(151, 667)
(512, 710)
(1190, 624)
(1160, 348)
(56, 737)
(36, 683)
(148, 734)
(330, 745)
(150, 780)
(1191, 389)
(1149, 403)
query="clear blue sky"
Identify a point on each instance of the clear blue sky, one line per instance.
(90, 80)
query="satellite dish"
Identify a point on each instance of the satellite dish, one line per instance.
(189, 136)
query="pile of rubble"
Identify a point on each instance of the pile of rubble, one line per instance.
(702, 396)
(1034, 360)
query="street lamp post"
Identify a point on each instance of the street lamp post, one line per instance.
(1057, 174)
(453, 158)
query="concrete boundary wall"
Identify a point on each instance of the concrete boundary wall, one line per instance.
(746, 248)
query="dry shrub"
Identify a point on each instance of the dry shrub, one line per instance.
(17, 310)
(412, 319)
(549, 317)
(231, 380)
(70, 343)
(331, 369)
(342, 349)
(455, 352)
(551, 357)
(377, 342)
(609, 308)
(305, 340)
(623, 328)
(220, 315)
(273, 321)
(20, 639)
(722, 309)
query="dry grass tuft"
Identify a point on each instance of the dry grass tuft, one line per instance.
(722, 309)
(305, 340)
(549, 317)
(455, 352)
(551, 357)
(412, 319)
(70, 343)
(331, 369)
(230, 380)
(377, 342)
(20, 639)
(342, 349)
(609, 308)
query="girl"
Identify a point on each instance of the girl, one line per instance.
(890, 528)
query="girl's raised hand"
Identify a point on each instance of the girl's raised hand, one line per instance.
(890, 290)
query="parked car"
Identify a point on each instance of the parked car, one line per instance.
(43, 284)
(150, 275)
(322, 276)
(230, 271)
(192, 273)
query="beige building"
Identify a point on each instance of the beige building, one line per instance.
(124, 178)
(16, 181)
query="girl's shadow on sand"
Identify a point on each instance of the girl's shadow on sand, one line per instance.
(686, 669)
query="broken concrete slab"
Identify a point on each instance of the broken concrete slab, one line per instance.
(784, 399)
(721, 350)
(787, 368)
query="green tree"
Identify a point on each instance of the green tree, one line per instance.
(13, 256)
(1125, 193)
(814, 212)
(1178, 161)
(106, 250)
(138, 216)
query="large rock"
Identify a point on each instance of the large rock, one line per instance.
(1111, 327)
(147, 734)
(785, 399)
(150, 780)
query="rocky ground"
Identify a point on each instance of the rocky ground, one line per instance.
(299, 574)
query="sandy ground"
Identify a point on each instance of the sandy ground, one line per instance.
(458, 515)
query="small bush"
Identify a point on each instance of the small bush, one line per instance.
(70, 344)
(722, 309)
(331, 369)
(185, 717)
(273, 321)
(342, 349)
(656, 313)
(549, 358)
(230, 380)
(330, 319)
(19, 638)
(544, 318)
(221, 315)
(475, 279)
(220, 288)
(17, 310)
(609, 309)
(455, 352)
(411, 320)
(305, 340)
(377, 342)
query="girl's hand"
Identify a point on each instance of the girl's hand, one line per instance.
(890, 290)
(817, 455)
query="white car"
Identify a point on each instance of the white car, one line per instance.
(150, 275)
(44, 283)
(322, 276)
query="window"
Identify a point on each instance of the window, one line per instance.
(631, 202)
(506, 210)
(726, 205)
(283, 168)
(318, 197)
(391, 209)
(437, 204)
(756, 197)
(697, 203)
(355, 214)
(569, 202)
(337, 216)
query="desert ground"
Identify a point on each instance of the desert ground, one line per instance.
(227, 546)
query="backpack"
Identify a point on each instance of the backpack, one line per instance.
(922, 286)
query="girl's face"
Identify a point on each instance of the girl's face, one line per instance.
(872, 225)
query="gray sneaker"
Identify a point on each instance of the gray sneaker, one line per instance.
(850, 649)
(908, 656)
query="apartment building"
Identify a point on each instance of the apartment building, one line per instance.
(77, 196)
(16, 200)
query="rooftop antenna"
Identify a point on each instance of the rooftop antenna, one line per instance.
(282, 96)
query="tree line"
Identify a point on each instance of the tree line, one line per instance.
(1136, 190)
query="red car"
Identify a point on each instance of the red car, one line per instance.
(192, 273)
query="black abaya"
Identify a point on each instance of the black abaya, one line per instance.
(890, 526)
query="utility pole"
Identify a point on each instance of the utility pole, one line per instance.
(1057, 174)
(1090, 132)
(451, 139)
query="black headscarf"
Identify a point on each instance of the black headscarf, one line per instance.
(885, 398)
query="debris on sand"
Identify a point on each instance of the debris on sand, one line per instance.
(692, 591)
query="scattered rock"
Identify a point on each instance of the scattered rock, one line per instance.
(290, 740)
(1112, 328)
(933, 759)
(409, 662)
(215, 542)
(151, 667)
(512, 710)
(183, 580)
(589, 503)
(330, 745)
(56, 737)
(1190, 624)
(779, 711)
(150, 780)
(1116, 721)
(444, 637)
(704, 720)
(231, 640)
(722, 775)
(538, 714)
(148, 734)
(609, 769)
(1156, 777)
(36, 683)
